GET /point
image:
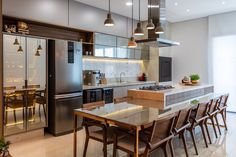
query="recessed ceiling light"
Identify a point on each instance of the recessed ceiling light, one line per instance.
(129, 3)
(153, 6)
(223, 2)
(176, 3)
(188, 10)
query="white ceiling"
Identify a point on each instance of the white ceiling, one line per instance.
(185, 10)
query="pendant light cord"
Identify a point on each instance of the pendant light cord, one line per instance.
(109, 3)
(68, 22)
(139, 10)
(132, 17)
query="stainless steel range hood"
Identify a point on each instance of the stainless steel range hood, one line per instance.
(160, 42)
(158, 15)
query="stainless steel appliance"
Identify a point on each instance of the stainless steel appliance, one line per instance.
(92, 77)
(92, 95)
(65, 84)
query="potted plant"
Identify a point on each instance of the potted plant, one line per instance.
(4, 146)
(195, 78)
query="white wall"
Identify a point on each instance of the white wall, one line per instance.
(192, 55)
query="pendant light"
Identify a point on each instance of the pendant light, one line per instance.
(132, 43)
(16, 42)
(39, 46)
(37, 53)
(150, 24)
(139, 30)
(20, 49)
(109, 21)
(159, 29)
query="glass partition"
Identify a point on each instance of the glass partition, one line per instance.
(24, 83)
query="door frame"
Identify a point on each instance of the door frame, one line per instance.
(1, 73)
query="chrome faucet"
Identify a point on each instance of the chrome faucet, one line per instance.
(122, 73)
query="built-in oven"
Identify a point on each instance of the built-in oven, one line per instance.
(165, 69)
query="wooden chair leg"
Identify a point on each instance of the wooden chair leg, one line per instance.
(185, 144)
(14, 112)
(86, 146)
(44, 110)
(213, 125)
(194, 141)
(105, 149)
(217, 123)
(208, 133)
(224, 119)
(165, 150)
(172, 148)
(204, 134)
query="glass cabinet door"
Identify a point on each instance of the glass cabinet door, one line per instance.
(36, 81)
(25, 105)
(14, 74)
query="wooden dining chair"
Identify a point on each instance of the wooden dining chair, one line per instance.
(122, 99)
(159, 136)
(14, 101)
(212, 113)
(198, 118)
(97, 130)
(42, 101)
(182, 122)
(9, 88)
(222, 109)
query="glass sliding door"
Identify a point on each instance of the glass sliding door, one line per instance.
(13, 80)
(36, 80)
(24, 84)
(224, 63)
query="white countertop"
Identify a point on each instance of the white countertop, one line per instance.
(110, 85)
(182, 88)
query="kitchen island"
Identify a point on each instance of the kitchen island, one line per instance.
(171, 97)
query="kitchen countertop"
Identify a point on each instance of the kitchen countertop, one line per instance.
(110, 85)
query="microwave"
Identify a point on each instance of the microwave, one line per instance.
(165, 69)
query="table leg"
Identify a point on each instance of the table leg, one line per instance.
(75, 135)
(136, 143)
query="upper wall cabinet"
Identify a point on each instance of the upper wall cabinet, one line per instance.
(104, 39)
(116, 47)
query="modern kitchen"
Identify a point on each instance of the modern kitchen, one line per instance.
(106, 78)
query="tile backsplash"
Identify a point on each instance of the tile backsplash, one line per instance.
(113, 68)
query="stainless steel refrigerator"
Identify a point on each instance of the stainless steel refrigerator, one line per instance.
(65, 84)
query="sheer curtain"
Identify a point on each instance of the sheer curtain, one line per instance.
(222, 55)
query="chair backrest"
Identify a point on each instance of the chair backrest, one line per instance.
(182, 119)
(9, 88)
(224, 100)
(201, 112)
(93, 105)
(123, 99)
(214, 104)
(30, 97)
(162, 128)
(31, 86)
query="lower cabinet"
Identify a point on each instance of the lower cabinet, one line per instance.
(123, 91)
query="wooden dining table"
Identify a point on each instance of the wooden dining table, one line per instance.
(134, 115)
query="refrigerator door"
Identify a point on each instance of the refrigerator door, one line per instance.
(68, 62)
(64, 111)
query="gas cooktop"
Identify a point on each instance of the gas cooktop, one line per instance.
(156, 88)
